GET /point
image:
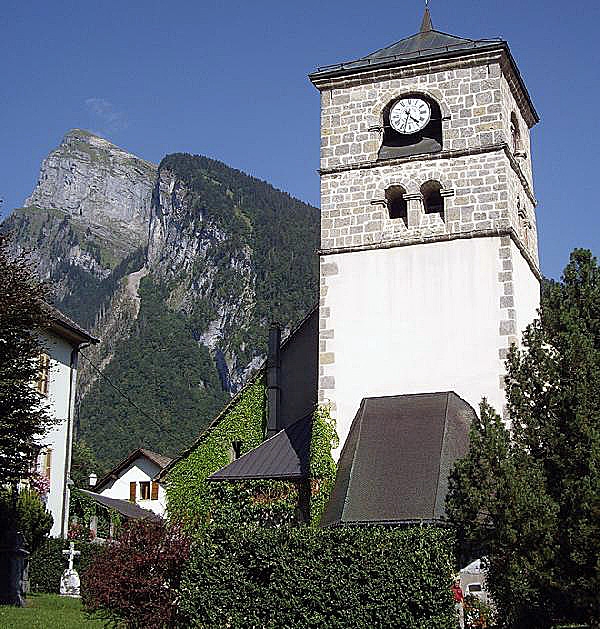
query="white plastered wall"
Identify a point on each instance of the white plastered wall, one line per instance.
(60, 401)
(141, 470)
(417, 319)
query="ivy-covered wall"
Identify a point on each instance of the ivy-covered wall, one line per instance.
(196, 502)
(82, 509)
(322, 466)
(190, 499)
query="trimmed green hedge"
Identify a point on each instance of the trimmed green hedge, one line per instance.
(47, 563)
(325, 578)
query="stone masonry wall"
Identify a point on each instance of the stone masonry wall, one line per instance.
(484, 186)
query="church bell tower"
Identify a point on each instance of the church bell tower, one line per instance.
(428, 259)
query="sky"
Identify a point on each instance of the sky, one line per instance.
(229, 80)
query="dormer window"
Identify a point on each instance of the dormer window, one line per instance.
(396, 203)
(433, 202)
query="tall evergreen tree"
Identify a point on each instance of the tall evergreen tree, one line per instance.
(23, 417)
(528, 497)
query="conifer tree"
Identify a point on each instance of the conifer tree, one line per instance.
(528, 497)
(23, 417)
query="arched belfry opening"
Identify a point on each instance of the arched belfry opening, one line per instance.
(433, 201)
(396, 203)
(412, 125)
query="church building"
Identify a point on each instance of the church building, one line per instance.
(428, 274)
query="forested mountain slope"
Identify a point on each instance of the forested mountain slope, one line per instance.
(182, 299)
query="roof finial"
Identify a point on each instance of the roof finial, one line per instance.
(426, 24)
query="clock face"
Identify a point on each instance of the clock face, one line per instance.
(409, 115)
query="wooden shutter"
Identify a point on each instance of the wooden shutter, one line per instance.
(48, 463)
(132, 491)
(154, 495)
(43, 374)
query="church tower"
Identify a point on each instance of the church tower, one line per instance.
(428, 260)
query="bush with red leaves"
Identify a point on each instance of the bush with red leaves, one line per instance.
(133, 581)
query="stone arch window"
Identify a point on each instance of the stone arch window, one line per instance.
(515, 133)
(433, 201)
(401, 142)
(396, 203)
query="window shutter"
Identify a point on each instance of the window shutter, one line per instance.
(44, 374)
(154, 495)
(48, 463)
(132, 488)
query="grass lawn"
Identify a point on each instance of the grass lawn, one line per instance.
(47, 611)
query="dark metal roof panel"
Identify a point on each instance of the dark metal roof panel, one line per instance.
(124, 507)
(283, 456)
(395, 463)
(424, 45)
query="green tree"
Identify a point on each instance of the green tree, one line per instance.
(528, 498)
(22, 416)
(83, 463)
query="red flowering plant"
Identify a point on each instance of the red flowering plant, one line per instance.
(40, 484)
(133, 581)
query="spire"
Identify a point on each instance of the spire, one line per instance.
(426, 24)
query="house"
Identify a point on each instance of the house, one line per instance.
(62, 339)
(132, 483)
(429, 272)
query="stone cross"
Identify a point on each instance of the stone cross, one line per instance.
(72, 553)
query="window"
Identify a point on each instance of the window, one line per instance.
(145, 490)
(433, 202)
(396, 203)
(515, 133)
(43, 374)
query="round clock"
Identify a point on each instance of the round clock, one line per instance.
(409, 115)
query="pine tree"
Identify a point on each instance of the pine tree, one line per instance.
(23, 417)
(528, 497)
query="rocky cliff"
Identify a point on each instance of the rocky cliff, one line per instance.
(88, 214)
(179, 269)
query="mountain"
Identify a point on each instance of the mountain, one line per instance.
(178, 268)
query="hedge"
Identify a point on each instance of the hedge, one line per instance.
(47, 563)
(307, 577)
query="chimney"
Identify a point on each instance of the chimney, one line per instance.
(273, 381)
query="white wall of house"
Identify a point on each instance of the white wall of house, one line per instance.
(419, 319)
(141, 470)
(60, 401)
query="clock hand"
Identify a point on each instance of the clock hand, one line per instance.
(406, 121)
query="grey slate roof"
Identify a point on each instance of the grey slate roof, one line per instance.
(129, 509)
(426, 44)
(285, 456)
(395, 463)
(60, 323)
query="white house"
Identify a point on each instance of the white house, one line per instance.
(133, 480)
(62, 340)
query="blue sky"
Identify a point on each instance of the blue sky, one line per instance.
(228, 79)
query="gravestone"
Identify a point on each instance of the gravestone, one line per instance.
(69, 582)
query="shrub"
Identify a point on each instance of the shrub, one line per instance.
(133, 581)
(32, 519)
(47, 563)
(306, 577)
